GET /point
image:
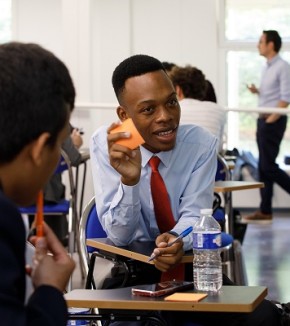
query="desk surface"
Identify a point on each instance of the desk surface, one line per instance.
(230, 299)
(225, 186)
(137, 250)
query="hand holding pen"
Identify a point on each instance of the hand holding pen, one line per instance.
(181, 236)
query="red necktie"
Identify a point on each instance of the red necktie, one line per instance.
(163, 213)
(162, 207)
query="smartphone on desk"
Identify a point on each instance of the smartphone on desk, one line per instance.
(162, 288)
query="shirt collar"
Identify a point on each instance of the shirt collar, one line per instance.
(164, 156)
(273, 60)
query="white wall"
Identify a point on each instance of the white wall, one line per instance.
(93, 36)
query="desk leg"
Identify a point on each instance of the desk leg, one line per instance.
(233, 263)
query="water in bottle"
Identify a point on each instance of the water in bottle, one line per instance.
(207, 266)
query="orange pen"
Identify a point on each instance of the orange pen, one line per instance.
(39, 214)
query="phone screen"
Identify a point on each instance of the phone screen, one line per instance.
(162, 288)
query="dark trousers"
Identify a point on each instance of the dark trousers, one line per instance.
(269, 137)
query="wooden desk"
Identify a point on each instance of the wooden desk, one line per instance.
(226, 186)
(137, 250)
(230, 299)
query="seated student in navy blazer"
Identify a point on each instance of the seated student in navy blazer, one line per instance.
(36, 100)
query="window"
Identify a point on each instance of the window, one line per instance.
(244, 21)
(5, 20)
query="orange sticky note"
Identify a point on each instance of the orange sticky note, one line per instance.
(178, 296)
(135, 140)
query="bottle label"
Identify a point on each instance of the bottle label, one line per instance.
(207, 240)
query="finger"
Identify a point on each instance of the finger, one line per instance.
(40, 250)
(53, 244)
(28, 270)
(114, 137)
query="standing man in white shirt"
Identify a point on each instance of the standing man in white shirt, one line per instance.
(274, 91)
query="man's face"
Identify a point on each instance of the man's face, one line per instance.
(150, 100)
(263, 46)
(50, 159)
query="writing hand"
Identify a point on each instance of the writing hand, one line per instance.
(167, 257)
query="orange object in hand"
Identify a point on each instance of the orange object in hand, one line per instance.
(135, 140)
(39, 214)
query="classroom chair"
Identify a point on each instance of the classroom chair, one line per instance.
(90, 227)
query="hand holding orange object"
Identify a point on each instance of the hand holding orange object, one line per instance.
(135, 140)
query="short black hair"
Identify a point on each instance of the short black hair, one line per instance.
(273, 36)
(191, 80)
(210, 93)
(133, 66)
(168, 66)
(36, 95)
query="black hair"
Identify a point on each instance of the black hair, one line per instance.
(36, 95)
(210, 93)
(133, 66)
(191, 80)
(273, 36)
(168, 66)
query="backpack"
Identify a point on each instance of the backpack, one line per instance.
(246, 160)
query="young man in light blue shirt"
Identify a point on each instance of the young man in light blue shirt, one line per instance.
(188, 157)
(274, 91)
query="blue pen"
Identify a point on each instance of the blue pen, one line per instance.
(181, 235)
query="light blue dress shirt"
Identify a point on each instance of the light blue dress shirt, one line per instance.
(275, 83)
(127, 213)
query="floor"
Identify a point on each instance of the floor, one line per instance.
(266, 251)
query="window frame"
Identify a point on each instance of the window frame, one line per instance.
(224, 46)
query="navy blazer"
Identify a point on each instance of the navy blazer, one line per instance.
(46, 306)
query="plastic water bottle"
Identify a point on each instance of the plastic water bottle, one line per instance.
(207, 265)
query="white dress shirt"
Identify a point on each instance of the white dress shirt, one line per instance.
(275, 83)
(208, 115)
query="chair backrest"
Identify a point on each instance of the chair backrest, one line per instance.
(223, 171)
(222, 174)
(90, 227)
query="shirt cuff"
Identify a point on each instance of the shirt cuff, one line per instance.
(130, 194)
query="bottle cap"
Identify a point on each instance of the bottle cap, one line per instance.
(206, 211)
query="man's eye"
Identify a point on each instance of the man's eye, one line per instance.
(148, 109)
(173, 102)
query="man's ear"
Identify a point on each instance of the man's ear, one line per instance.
(37, 148)
(122, 113)
(179, 92)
